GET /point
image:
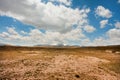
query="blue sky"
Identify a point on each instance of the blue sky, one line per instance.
(54, 22)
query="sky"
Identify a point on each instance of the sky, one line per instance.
(60, 22)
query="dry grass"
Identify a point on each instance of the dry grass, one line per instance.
(59, 63)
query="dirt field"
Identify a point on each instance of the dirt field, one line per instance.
(49, 63)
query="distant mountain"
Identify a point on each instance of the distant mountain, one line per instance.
(2, 44)
(57, 45)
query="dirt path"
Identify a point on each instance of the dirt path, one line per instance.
(59, 67)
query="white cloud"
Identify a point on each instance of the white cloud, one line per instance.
(89, 28)
(114, 33)
(101, 11)
(35, 37)
(118, 1)
(75, 36)
(12, 31)
(117, 25)
(11, 34)
(103, 23)
(44, 15)
(100, 41)
(23, 32)
(4, 35)
(112, 37)
(56, 20)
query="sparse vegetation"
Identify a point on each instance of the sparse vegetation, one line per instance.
(69, 63)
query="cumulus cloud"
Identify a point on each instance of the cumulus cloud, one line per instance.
(112, 37)
(114, 33)
(100, 41)
(23, 32)
(103, 12)
(11, 34)
(35, 37)
(103, 23)
(117, 25)
(57, 21)
(118, 1)
(89, 28)
(12, 31)
(45, 15)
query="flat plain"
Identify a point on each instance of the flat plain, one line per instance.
(59, 63)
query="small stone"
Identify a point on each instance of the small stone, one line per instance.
(77, 76)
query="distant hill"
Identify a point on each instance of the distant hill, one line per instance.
(2, 44)
(57, 45)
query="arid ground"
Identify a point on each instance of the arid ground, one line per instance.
(59, 63)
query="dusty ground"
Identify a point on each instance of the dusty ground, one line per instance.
(59, 65)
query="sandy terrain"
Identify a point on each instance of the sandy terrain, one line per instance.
(59, 65)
